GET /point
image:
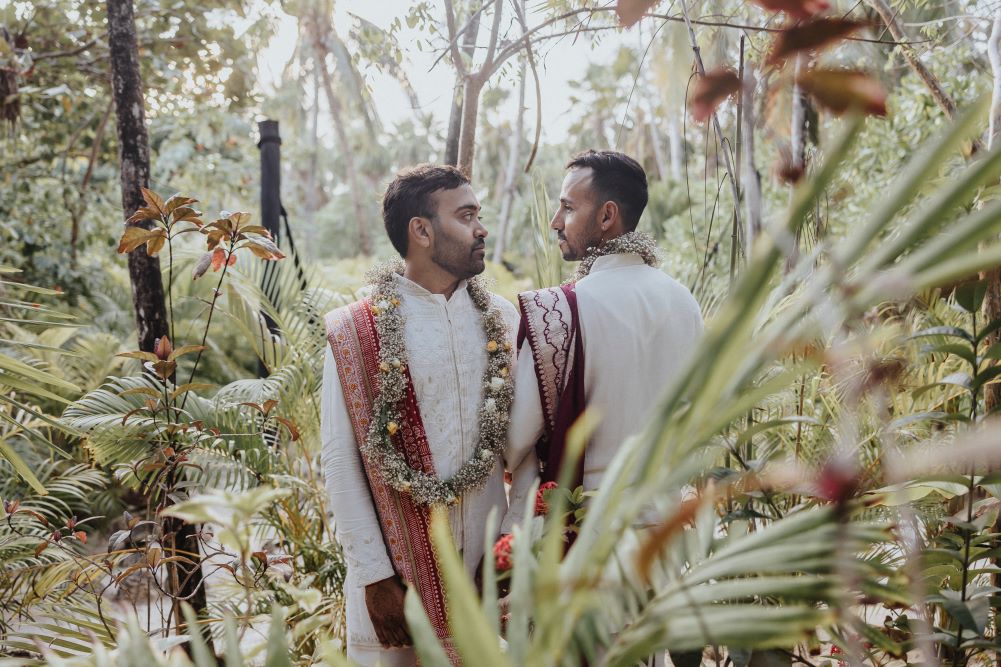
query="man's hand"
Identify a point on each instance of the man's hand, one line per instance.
(384, 600)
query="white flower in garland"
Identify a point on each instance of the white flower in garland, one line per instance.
(640, 243)
(494, 412)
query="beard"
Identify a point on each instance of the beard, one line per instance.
(458, 258)
(573, 252)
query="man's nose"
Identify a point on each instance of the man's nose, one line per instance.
(480, 231)
(557, 221)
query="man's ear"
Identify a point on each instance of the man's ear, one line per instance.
(420, 232)
(609, 213)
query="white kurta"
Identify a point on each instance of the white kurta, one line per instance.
(638, 326)
(446, 350)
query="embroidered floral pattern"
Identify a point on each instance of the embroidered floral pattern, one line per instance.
(387, 420)
(640, 243)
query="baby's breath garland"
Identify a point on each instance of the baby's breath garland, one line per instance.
(494, 412)
(640, 243)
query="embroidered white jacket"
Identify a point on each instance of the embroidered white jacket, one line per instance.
(638, 326)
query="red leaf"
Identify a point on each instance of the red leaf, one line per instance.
(800, 9)
(218, 258)
(710, 90)
(631, 11)
(133, 237)
(841, 90)
(292, 429)
(153, 200)
(80, 535)
(265, 248)
(811, 36)
(163, 348)
(838, 481)
(142, 214)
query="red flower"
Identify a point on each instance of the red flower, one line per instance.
(502, 553)
(541, 508)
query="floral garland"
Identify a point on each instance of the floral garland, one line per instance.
(494, 411)
(640, 243)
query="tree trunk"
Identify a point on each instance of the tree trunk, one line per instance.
(676, 144)
(144, 271)
(752, 179)
(133, 154)
(455, 116)
(467, 137)
(511, 172)
(797, 153)
(340, 131)
(655, 141)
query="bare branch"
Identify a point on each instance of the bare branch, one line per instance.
(453, 45)
(727, 162)
(530, 57)
(494, 30)
(71, 52)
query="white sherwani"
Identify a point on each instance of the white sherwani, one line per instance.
(638, 327)
(446, 350)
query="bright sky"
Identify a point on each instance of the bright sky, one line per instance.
(562, 62)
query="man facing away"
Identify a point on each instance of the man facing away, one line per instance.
(416, 395)
(609, 341)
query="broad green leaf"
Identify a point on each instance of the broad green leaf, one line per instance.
(471, 632)
(426, 643)
(278, 649)
(971, 295)
(21, 468)
(199, 649)
(15, 367)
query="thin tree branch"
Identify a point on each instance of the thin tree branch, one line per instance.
(453, 45)
(728, 163)
(530, 56)
(938, 93)
(494, 31)
(454, 39)
(71, 52)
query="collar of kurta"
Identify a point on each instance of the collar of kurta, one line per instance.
(410, 288)
(616, 261)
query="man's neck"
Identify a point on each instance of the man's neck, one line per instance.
(432, 278)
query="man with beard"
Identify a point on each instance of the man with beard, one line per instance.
(417, 387)
(609, 341)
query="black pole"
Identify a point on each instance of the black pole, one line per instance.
(271, 206)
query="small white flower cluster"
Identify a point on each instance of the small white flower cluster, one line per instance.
(494, 412)
(640, 243)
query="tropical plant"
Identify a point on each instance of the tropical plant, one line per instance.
(744, 584)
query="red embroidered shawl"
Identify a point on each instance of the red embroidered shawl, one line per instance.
(405, 524)
(550, 323)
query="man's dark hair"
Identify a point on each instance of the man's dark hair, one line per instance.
(616, 177)
(411, 195)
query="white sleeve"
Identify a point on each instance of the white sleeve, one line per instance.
(357, 526)
(524, 431)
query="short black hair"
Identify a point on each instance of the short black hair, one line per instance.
(410, 195)
(618, 178)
